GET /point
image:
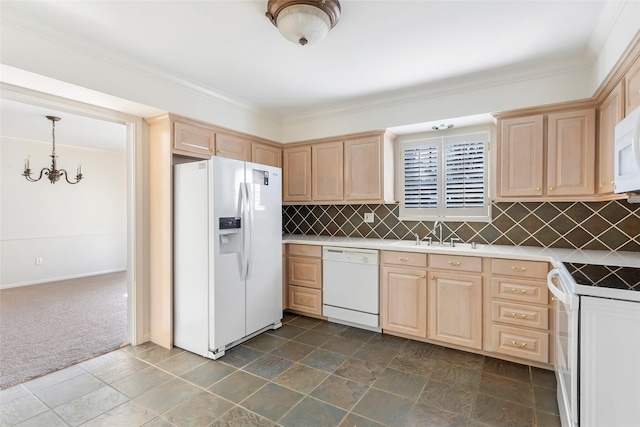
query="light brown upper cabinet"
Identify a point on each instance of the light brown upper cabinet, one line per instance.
(611, 111)
(233, 147)
(363, 169)
(327, 182)
(553, 165)
(296, 174)
(351, 169)
(521, 156)
(571, 153)
(266, 154)
(193, 138)
(632, 86)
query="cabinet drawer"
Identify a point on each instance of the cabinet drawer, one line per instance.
(520, 290)
(305, 299)
(520, 314)
(305, 250)
(528, 344)
(305, 272)
(404, 258)
(455, 262)
(518, 268)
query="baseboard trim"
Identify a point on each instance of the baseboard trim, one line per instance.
(57, 279)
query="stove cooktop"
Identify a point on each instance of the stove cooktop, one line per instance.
(605, 276)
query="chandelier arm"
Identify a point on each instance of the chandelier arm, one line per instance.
(27, 174)
(66, 176)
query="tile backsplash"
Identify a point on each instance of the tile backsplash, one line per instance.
(613, 225)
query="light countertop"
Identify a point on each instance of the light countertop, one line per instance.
(531, 253)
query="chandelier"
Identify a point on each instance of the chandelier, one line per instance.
(304, 21)
(53, 173)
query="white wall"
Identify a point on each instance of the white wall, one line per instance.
(31, 52)
(78, 230)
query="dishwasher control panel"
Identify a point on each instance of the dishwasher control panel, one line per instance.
(356, 256)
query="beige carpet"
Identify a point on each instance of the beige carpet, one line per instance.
(47, 327)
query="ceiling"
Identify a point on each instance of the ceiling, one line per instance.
(379, 50)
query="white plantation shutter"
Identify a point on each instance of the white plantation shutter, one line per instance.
(445, 177)
(464, 172)
(421, 177)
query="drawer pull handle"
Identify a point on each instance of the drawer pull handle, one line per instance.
(455, 263)
(518, 291)
(518, 345)
(304, 300)
(303, 273)
(304, 251)
(403, 259)
(519, 269)
(518, 316)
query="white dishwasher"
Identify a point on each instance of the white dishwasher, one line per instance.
(350, 287)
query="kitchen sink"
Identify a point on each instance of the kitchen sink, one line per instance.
(412, 244)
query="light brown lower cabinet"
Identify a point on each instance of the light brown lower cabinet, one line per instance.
(404, 301)
(518, 314)
(455, 308)
(304, 279)
(305, 299)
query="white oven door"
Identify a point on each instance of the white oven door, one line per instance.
(566, 344)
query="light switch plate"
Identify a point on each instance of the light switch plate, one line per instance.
(369, 217)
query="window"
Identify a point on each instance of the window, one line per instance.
(445, 177)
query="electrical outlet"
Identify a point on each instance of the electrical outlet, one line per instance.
(369, 217)
(38, 261)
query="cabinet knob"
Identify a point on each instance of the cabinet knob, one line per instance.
(613, 182)
(423, 276)
(554, 299)
(518, 345)
(537, 188)
(455, 263)
(550, 188)
(433, 277)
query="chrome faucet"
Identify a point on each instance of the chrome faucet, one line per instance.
(438, 225)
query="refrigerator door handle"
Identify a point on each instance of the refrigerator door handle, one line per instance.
(243, 255)
(248, 229)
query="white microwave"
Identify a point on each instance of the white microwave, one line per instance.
(627, 154)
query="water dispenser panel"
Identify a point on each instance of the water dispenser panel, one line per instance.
(229, 223)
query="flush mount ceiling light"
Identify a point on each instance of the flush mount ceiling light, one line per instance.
(304, 21)
(442, 126)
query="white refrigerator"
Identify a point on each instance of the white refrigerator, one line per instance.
(227, 253)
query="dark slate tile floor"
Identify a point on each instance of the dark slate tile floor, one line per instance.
(307, 373)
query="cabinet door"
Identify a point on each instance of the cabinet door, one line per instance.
(193, 138)
(305, 272)
(610, 113)
(455, 309)
(404, 301)
(571, 153)
(266, 155)
(296, 174)
(632, 93)
(363, 174)
(327, 171)
(521, 155)
(233, 147)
